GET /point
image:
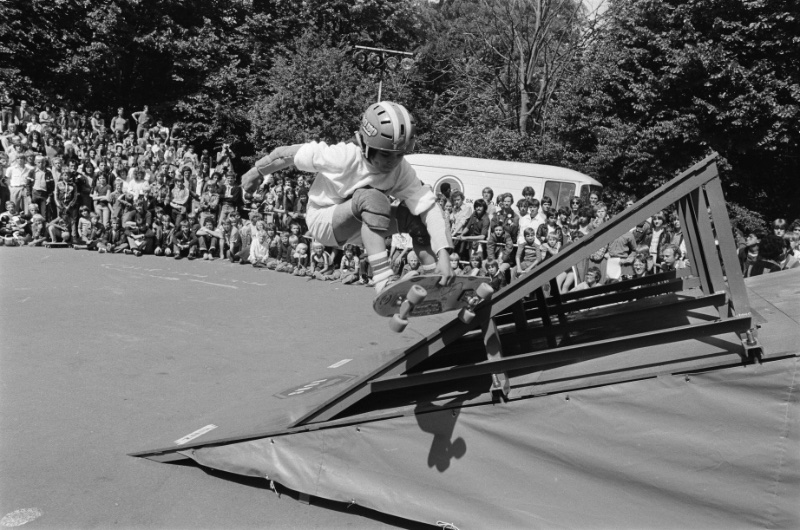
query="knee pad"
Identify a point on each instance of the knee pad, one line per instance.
(372, 208)
(412, 225)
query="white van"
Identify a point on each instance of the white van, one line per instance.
(471, 175)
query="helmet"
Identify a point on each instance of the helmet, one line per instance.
(388, 126)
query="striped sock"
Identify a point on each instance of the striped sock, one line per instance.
(428, 269)
(381, 269)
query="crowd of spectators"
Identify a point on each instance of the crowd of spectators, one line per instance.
(133, 185)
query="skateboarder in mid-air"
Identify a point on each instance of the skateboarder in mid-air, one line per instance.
(349, 200)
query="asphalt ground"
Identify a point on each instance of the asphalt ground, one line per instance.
(102, 354)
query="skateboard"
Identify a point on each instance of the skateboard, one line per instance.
(422, 295)
(49, 244)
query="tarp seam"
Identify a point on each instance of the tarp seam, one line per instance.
(781, 452)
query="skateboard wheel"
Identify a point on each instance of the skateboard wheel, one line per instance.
(398, 324)
(466, 316)
(416, 295)
(484, 291)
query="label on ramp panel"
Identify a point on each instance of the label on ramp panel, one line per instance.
(199, 432)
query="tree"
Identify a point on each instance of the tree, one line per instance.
(508, 57)
(668, 81)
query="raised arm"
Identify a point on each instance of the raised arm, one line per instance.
(280, 158)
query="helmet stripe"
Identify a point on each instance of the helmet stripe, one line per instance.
(394, 118)
(407, 122)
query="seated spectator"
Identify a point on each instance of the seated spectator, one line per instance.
(748, 256)
(670, 259)
(59, 230)
(770, 255)
(455, 263)
(184, 242)
(320, 266)
(259, 250)
(139, 231)
(283, 253)
(230, 242)
(38, 234)
(300, 260)
(593, 277)
(114, 240)
(475, 267)
(84, 229)
(412, 268)
(208, 239)
(163, 230)
(497, 278)
(349, 266)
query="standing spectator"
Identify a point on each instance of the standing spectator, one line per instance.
(17, 176)
(461, 213)
(488, 195)
(41, 185)
(101, 197)
(231, 198)
(142, 120)
(180, 201)
(22, 113)
(46, 117)
(500, 248)
(98, 123)
(119, 125)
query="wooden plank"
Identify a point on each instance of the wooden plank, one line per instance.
(708, 245)
(542, 359)
(739, 302)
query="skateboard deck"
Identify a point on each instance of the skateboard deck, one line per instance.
(55, 245)
(438, 300)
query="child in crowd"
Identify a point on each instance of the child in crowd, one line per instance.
(84, 230)
(230, 241)
(112, 238)
(208, 238)
(500, 247)
(93, 238)
(283, 254)
(527, 254)
(300, 260)
(475, 267)
(163, 235)
(348, 268)
(38, 233)
(497, 277)
(59, 230)
(455, 264)
(184, 242)
(259, 250)
(320, 266)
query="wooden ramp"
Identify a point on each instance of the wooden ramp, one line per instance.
(530, 341)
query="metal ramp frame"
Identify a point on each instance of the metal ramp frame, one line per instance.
(524, 343)
(505, 331)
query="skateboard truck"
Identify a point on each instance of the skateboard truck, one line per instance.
(400, 320)
(483, 292)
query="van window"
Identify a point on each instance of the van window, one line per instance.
(559, 192)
